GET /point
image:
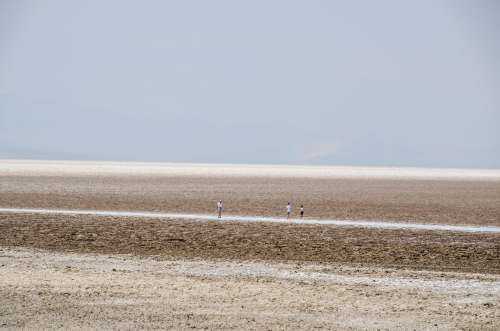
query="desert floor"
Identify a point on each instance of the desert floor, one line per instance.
(95, 272)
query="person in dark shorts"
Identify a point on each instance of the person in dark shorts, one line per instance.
(220, 207)
(301, 211)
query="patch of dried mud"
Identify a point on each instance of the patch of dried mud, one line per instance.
(429, 250)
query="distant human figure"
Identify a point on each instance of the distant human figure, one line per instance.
(288, 210)
(301, 211)
(220, 207)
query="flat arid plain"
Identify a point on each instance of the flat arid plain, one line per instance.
(165, 262)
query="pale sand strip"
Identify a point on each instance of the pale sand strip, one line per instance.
(234, 218)
(102, 168)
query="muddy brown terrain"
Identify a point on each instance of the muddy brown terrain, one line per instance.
(423, 250)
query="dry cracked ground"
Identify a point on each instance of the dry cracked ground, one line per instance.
(88, 272)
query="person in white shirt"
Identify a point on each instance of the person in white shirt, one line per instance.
(301, 211)
(220, 206)
(288, 210)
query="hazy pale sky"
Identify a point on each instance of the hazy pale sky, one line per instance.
(393, 83)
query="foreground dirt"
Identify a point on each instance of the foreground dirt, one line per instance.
(426, 250)
(44, 290)
(429, 201)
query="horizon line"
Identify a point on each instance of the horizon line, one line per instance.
(30, 167)
(257, 164)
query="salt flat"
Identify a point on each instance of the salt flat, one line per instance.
(236, 218)
(59, 168)
(86, 245)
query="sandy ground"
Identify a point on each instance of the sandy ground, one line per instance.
(88, 272)
(42, 290)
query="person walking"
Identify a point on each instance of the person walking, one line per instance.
(288, 210)
(301, 211)
(220, 207)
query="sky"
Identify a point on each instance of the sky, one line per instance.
(374, 83)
